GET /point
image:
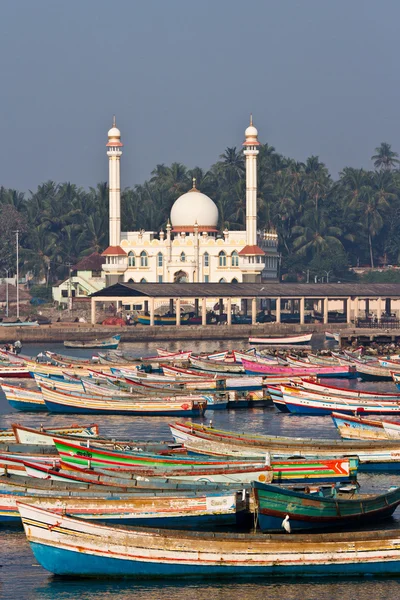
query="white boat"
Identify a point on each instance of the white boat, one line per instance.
(330, 335)
(303, 338)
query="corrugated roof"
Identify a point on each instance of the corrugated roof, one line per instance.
(252, 290)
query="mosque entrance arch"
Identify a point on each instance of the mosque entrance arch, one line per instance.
(181, 277)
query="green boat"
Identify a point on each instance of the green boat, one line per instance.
(314, 511)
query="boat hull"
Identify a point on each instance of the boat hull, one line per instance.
(71, 547)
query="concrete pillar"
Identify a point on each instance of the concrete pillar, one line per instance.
(348, 310)
(253, 311)
(278, 310)
(204, 311)
(302, 304)
(379, 309)
(325, 320)
(356, 309)
(229, 311)
(152, 311)
(196, 307)
(93, 310)
(178, 311)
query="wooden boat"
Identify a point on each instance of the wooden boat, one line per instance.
(359, 428)
(19, 324)
(252, 368)
(14, 371)
(310, 511)
(324, 361)
(74, 547)
(106, 344)
(171, 509)
(215, 366)
(304, 338)
(330, 335)
(324, 388)
(95, 456)
(61, 384)
(24, 399)
(305, 405)
(373, 456)
(44, 437)
(372, 371)
(62, 402)
(392, 429)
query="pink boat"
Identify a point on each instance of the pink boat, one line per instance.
(252, 368)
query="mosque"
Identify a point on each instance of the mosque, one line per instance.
(192, 249)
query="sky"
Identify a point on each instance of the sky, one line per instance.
(182, 77)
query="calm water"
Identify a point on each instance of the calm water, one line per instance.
(22, 578)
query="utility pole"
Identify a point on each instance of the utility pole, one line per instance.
(7, 271)
(17, 242)
(69, 265)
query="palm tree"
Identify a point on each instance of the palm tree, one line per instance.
(385, 158)
(316, 236)
(373, 205)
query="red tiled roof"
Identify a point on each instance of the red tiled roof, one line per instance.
(251, 251)
(93, 262)
(114, 251)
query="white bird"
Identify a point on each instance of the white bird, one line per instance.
(286, 524)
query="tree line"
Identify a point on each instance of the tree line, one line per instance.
(324, 225)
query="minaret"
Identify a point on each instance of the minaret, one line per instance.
(251, 151)
(114, 153)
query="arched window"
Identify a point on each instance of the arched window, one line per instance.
(234, 259)
(160, 259)
(143, 280)
(131, 259)
(131, 280)
(183, 257)
(234, 280)
(222, 259)
(222, 280)
(206, 259)
(143, 259)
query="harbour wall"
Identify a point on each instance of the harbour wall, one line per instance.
(58, 332)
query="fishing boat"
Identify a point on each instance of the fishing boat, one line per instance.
(44, 437)
(215, 366)
(372, 371)
(253, 368)
(171, 509)
(359, 428)
(330, 335)
(305, 405)
(372, 455)
(11, 371)
(19, 324)
(74, 547)
(106, 344)
(324, 388)
(62, 402)
(312, 511)
(304, 338)
(24, 399)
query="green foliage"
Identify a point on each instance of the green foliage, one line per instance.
(41, 291)
(323, 225)
(386, 276)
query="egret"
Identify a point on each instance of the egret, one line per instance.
(286, 524)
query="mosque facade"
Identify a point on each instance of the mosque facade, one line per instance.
(191, 249)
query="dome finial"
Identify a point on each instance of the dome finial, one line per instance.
(251, 119)
(194, 183)
(114, 122)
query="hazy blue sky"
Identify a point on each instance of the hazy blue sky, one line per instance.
(182, 77)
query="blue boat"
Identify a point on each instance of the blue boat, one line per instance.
(74, 547)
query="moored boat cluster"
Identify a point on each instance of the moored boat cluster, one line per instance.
(73, 487)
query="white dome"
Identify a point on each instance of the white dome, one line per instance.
(251, 131)
(114, 132)
(194, 208)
